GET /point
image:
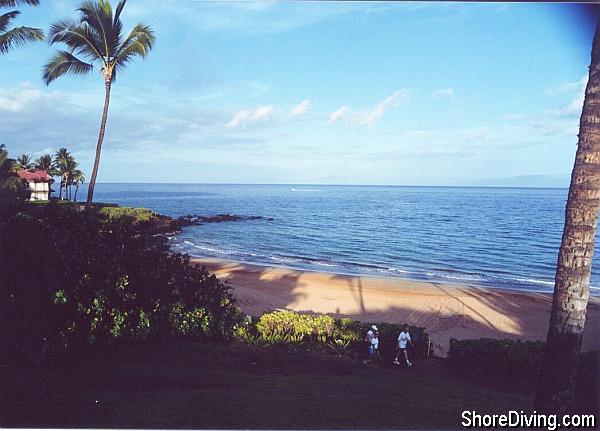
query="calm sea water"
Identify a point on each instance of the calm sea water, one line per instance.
(496, 237)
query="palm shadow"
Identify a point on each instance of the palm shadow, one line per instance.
(445, 311)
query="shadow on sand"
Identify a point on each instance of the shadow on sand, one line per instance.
(446, 311)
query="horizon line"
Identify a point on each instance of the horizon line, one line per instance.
(333, 185)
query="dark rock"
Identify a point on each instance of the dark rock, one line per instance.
(171, 225)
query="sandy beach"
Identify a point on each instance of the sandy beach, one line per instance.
(446, 310)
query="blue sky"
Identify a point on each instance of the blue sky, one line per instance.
(316, 92)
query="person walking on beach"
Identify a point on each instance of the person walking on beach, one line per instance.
(403, 341)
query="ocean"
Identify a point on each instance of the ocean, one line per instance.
(492, 237)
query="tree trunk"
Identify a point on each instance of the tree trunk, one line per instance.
(76, 190)
(90, 195)
(556, 385)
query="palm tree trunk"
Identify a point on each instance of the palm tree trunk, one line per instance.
(76, 189)
(90, 195)
(556, 385)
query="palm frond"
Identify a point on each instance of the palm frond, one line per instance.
(19, 36)
(117, 18)
(97, 36)
(117, 26)
(13, 3)
(78, 177)
(44, 163)
(138, 43)
(7, 18)
(24, 161)
(78, 37)
(63, 63)
(7, 165)
(99, 16)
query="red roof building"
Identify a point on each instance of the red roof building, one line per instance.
(39, 183)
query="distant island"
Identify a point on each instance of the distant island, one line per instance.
(536, 181)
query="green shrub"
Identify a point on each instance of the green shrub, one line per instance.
(294, 328)
(137, 215)
(340, 347)
(72, 279)
(14, 193)
(326, 334)
(500, 357)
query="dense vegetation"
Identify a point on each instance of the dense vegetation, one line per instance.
(498, 357)
(522, 359)
(75, 279)
(13, 191)
(322, 333)
(94, 302)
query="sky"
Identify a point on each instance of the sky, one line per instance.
(315, 93)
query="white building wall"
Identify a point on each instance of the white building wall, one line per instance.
(39, 191)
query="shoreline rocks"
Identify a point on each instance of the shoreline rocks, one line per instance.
(196, 220)
(170, 225)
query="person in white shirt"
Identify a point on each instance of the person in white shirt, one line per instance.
(403, 341)
(374, 350)
(369, 342)
(375, 341)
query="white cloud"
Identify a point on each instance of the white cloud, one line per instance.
(369, 118)
(441, 93)
(244, 116)
(300, 108)
(336, 115)
(563, 120)
(21, 98)
(262, 112)
(575, 106)
(568, 87)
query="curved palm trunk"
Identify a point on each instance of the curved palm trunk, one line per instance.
(76, 190)
(556, 386)
(90, 195)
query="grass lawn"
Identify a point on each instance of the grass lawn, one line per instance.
(189, 385)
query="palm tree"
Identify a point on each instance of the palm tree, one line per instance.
(77, 178)
(24, 162)
(11, 38)
(96, 37)
(44, 163)
(13, 190)
(556, 385)
(6, 164)
(72, 169)
(64, 164)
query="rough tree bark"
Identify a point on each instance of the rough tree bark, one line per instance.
(556, 385)
(90, 194)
